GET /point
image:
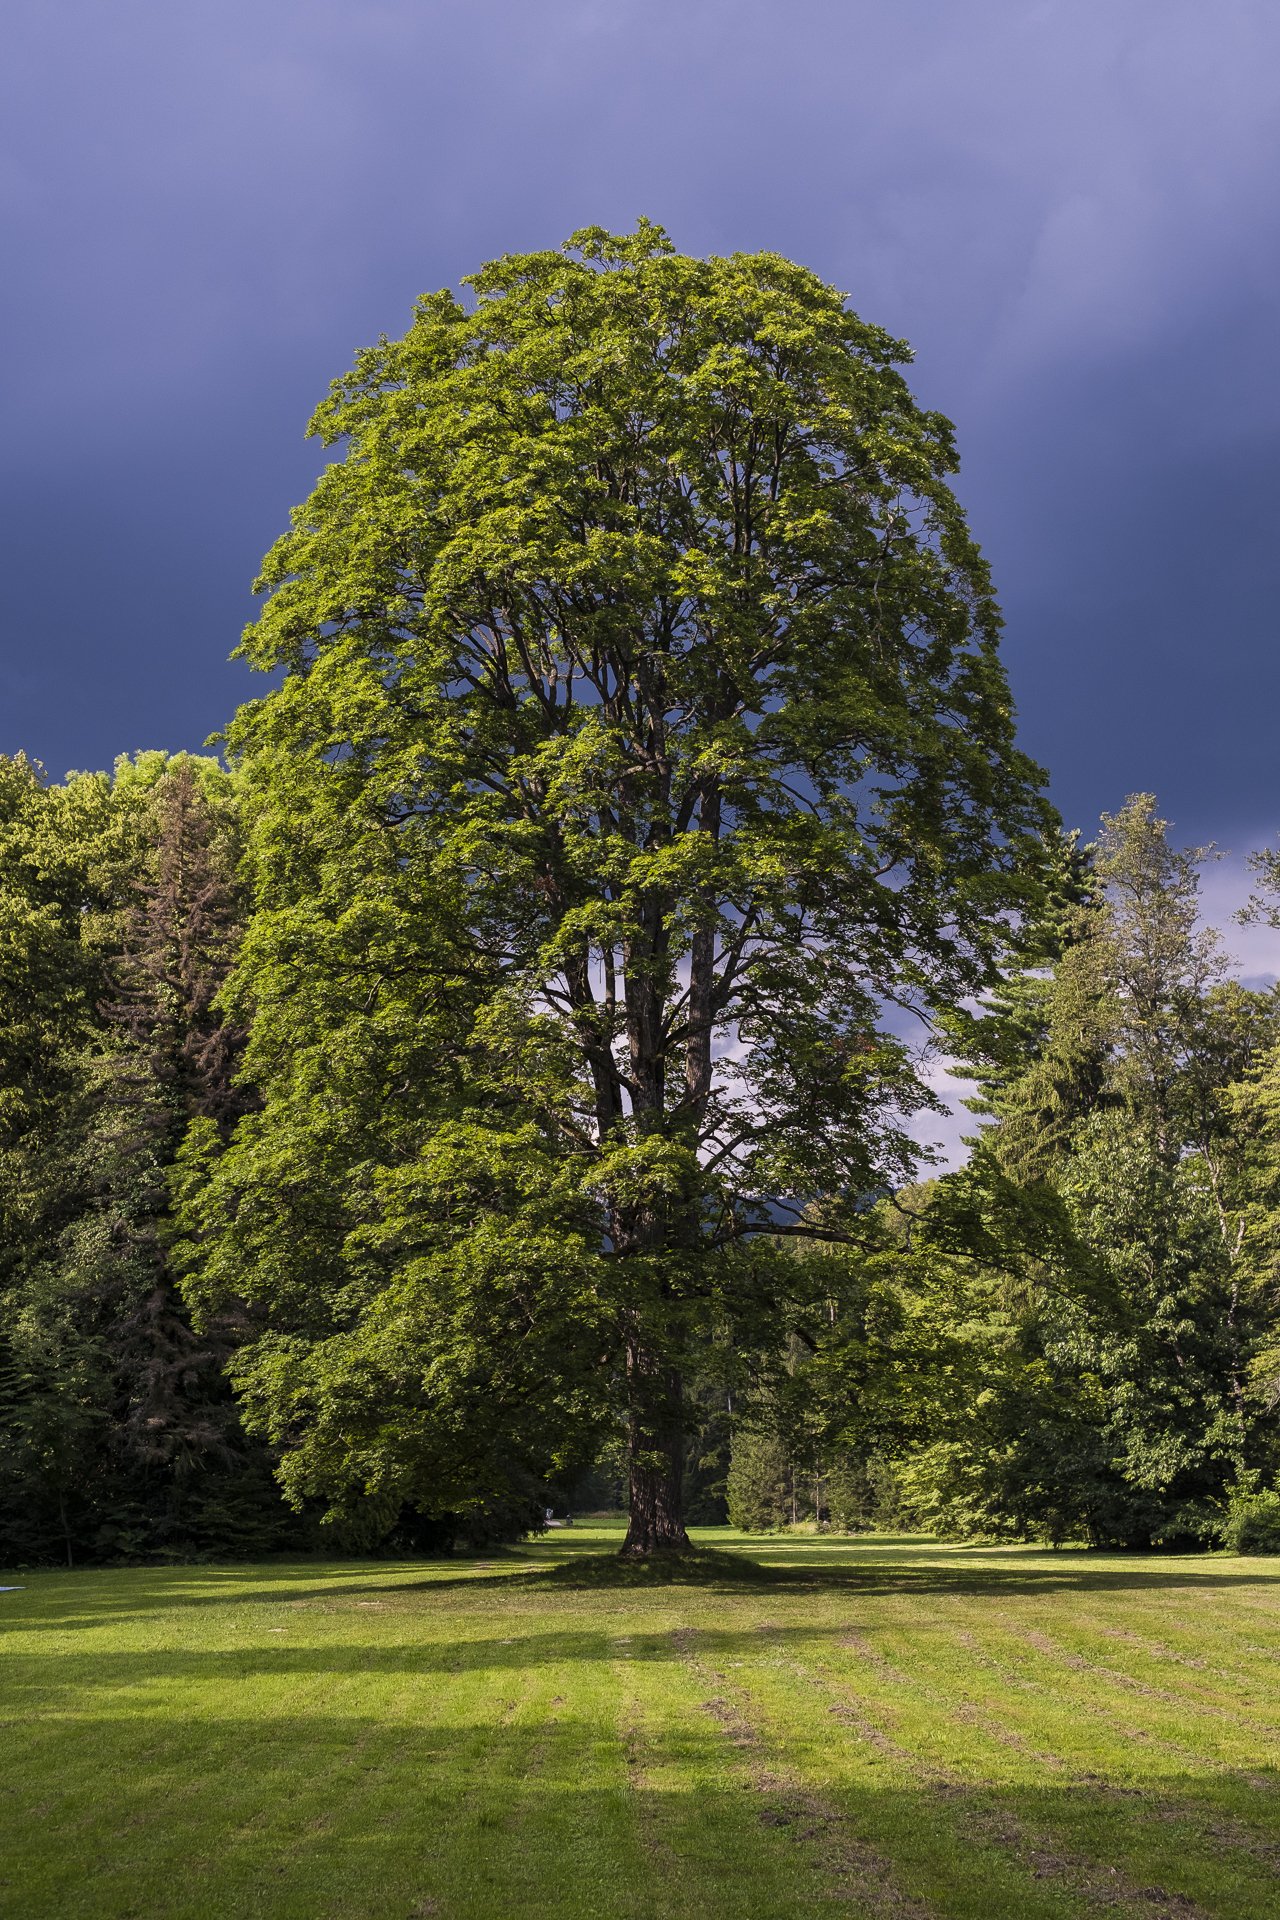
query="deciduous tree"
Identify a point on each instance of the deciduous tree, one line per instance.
(642, 764)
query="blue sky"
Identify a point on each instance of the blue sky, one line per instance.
(1071, 210)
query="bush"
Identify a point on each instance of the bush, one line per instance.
(1253, 1524)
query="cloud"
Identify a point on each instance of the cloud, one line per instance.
(1252, 955)
(1070, 209)
(1226, 886)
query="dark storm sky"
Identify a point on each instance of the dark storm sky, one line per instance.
(1071, 209)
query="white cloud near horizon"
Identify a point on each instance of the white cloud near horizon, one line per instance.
(1253, 954)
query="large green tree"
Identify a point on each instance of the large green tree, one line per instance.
(642, 766)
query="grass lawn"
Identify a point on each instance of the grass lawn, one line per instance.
(893, 1727)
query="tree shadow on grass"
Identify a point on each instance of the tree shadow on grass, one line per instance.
(600, 1572)
(54, 1679)
(907, 1567)
(325, 1815)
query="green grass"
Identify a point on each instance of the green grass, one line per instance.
(883, 1727)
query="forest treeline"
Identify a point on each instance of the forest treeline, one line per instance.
(119, 915)
(498, 1084)
(1075, 1337)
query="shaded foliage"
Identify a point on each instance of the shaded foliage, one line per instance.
(122, 1434)
(1097, 1297)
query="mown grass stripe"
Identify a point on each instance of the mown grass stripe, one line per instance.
(309, 1742)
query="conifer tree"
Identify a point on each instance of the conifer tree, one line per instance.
(1120, 1405)
(1037, 1047)
(168, 1057)
(119, 916)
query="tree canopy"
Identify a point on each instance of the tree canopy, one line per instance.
(642, 767)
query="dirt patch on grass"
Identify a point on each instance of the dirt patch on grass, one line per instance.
(1186, 1700)
(1013, 1677)
(1236, 1675)
(1219, 1829)
(855, 1871)
(989, 1821)
(644, 1786)
(1157, 1650)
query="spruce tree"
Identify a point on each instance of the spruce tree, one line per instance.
(169, 1057)
(1116, 1362)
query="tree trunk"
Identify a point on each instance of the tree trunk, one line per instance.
(655, 1456)
(657, 1521)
